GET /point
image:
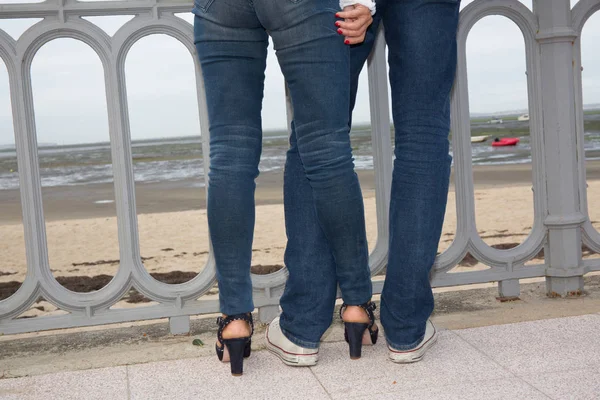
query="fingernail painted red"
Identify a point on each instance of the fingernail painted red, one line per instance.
(347, 42)
(340, 31)
(337, 15)
(337, 23)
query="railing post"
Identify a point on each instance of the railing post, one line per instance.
(509, 289)
(556, 37)
(179, 325)
(266, 314)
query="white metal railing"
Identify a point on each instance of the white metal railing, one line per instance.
(560, 226)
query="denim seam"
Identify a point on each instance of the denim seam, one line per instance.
(308, 15)
(300, 342)
(350, 302)
(205, 6)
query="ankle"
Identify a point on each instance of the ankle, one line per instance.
(236, 329)
(355, 314)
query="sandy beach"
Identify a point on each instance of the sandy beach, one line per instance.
(89, 201)
(82, 234)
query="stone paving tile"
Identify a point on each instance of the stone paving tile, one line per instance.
(100, 384)
(534, 347)
(573, 385)
(450, 361)
(265, 377)
(502, 389)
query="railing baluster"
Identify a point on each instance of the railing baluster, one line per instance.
(564, 218)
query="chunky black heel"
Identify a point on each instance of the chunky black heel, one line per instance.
(248, 349)
(238, 348)
(354, 332)
(354, 336)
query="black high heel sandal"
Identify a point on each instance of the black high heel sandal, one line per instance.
(238, 348)
(354, 332)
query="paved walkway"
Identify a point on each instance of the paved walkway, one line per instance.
(548, 359)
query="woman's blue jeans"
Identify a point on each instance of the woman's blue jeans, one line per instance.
(231, 38)
(421, 38)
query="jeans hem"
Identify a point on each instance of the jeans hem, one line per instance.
(234, 311)
(300, 342)
(355, 302)
(405, 347)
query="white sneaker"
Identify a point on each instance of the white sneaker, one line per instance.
(290, 353)
(416, 354)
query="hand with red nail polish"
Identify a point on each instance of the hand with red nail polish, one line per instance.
(357, 19)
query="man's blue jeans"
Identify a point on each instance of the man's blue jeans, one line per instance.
(231, 38)
(421, 38)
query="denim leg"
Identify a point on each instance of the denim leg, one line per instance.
(309, 298)
(421, 35)
(308, 305)
(232, 48)
(316, 65)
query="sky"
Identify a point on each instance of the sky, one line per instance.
(70, 101)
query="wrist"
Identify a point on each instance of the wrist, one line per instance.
(370, 4)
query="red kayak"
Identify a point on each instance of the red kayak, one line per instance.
(505, 142)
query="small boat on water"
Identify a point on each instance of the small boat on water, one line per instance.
(505, 142)
(479, 139)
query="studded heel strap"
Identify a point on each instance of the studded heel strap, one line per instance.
(223, 322)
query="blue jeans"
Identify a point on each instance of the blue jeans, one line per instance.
(421, 37)
(231, 38)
